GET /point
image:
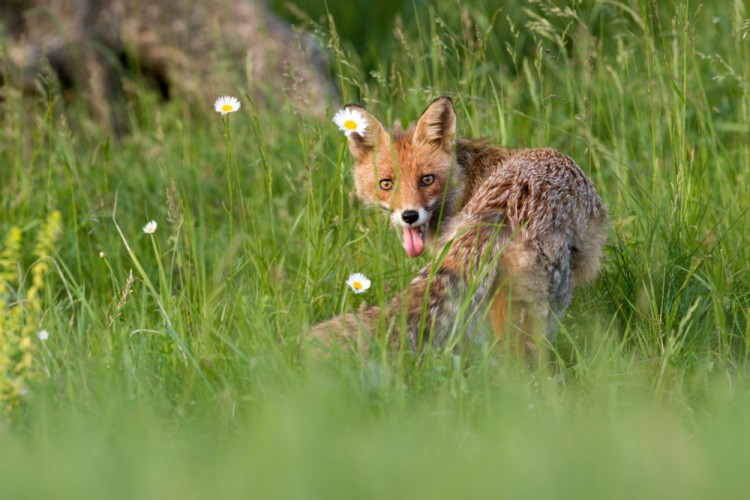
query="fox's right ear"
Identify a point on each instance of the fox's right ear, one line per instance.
(375, 136)
(436, 128)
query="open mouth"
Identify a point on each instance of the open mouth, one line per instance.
(414, 240)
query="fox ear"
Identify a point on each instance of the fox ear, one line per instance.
(437, 125)
(375, 136)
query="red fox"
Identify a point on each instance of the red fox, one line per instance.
(516, 231)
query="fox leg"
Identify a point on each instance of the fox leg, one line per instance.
(528, 324)
(347, 331)
(499, 317)
(529, 284)
(519, 326)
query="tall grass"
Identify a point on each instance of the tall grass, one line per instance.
(174, 365)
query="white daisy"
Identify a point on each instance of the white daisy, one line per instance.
(43, 335)
(227, 104)
(150, 228)
(358, 282)
(350, 121)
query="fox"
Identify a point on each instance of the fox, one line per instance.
(515, 231)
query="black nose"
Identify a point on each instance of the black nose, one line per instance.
(410, 216)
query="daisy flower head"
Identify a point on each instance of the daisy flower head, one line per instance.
(350, 121)
(358, 282)
(150, 228)
(226, 104)
(43, 335)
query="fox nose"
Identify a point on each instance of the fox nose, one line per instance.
(410, 216)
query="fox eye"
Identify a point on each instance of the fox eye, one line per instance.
(386, 184)
(428, 179)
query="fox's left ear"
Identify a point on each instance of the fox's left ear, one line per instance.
(373, 139)
(437, 125)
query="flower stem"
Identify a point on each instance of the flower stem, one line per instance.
(340, 170)
(228, 135)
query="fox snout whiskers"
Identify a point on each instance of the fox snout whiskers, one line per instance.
(432, 206)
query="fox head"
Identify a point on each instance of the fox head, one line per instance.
(410, 175)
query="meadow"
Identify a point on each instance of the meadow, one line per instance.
(171, 365)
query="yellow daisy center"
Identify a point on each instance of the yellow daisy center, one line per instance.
(357, 285)
(226, 107)
(350, 124)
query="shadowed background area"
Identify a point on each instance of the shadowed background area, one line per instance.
(102, 50)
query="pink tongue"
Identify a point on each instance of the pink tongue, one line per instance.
(413, 242)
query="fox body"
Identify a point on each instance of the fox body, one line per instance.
(522, 227)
